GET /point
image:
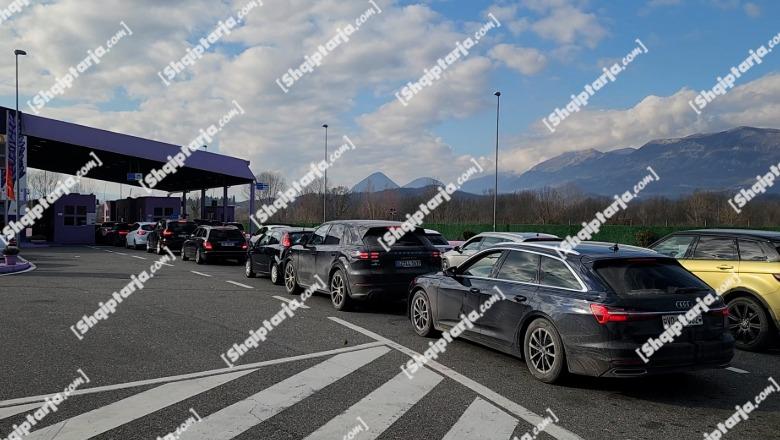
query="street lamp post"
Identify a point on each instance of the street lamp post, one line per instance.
(495, 189)
(325, 191)
(17, 52)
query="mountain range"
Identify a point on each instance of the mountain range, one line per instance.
(723, 161)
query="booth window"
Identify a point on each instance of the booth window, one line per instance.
(75, 215)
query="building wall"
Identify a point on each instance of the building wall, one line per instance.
(147, 209)
(73, 214)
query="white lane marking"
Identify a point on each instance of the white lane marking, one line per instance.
(239, 284)
(106, 418)
(201, 274)
(165, 264)
(288, 301)
(737, 370)
(121, 253)
(138, 383)
(13, 410)
(110, 252)
(482, 421)
(140, 258)
(231, 421)
(382, 407)
(514, 408)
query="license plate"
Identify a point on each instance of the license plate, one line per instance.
(408, 263)
(668, 320)
(227, 243)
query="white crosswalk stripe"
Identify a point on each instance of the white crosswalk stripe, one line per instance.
(367, 419)
(482, 421)
(237, 418)
(126, 410)
(382, 407)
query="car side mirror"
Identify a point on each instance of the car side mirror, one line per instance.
(458, 249)
(451, 271)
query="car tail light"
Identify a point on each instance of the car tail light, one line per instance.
(286, 242)
(364, 255)
(167, 233)
(720, 312)
(604, 314)
(244, 246)
(123, 232)
(436, 254)
(207, 245)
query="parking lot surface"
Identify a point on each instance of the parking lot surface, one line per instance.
(156, 361)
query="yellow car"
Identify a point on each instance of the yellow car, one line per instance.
(743, 266)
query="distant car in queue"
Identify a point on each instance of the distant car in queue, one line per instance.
(118, 233)
(586, 311)
(211, 243)
(438, 241)
(459, 254)
(139, 232)
(262, 230)
(267, 255)
(348, 257)
(169, 234)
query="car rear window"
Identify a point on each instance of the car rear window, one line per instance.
(122, 226)
(437, 239)
(181, 227)
(147, 227)
(299, 237)
(371, 237)
(225, 234)
(643, 276)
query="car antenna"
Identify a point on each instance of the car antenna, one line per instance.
(615, 248)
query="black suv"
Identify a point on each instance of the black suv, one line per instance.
(209, 243)
(267, 253)
(170, 234)
(347, 255)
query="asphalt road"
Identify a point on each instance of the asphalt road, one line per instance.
(156, 362)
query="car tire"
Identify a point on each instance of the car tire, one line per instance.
(338, 288)
(199, 257)
(421, 315)
(749, 323)
(291, 279)
(274, 274)
(248, 271)
(543, 351)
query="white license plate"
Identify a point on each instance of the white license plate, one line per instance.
(227, 243)
(668, 320)
(408, 263)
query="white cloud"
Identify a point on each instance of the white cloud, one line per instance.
(567, 24)
(752, 10)
(527, 61)
(752, 104)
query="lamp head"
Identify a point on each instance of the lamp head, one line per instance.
(19, 52)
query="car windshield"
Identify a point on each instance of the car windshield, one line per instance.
(225, 234)
(182, 227)
(644, 276)
(437, 239)
(409, 239)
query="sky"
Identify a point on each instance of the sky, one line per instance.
(538, 53)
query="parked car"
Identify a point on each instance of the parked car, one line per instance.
(585, 312)
(139, 232)
(348, 256)
(118, 233)
(267, 255)
(484, 240)
(744, 267)
(438, 241)
(170, 234)
(210, 243)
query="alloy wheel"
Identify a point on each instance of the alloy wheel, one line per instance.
(274, 273)
(744, 322)
(289, 278)
(337, 290)
(420, 313)
(541, 348)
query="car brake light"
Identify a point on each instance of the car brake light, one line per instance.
(720, 312)
(604, 314)
(363, 255)
(243, 246)
(286, 242)
(207, 246)
(436, 254)
(167, 233)
(122, 232)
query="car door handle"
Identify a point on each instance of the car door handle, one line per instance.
(474, 290)
(520, 298)
(725, 267)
